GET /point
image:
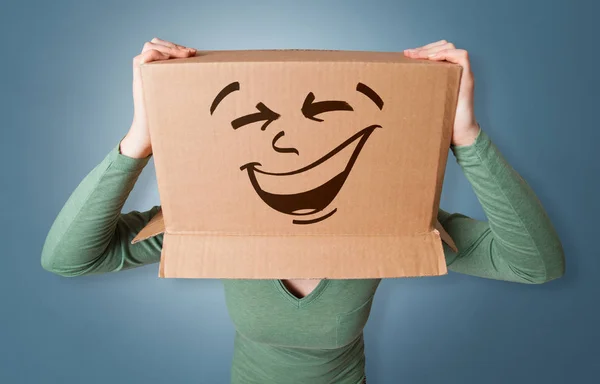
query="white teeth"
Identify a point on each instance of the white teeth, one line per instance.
(303, 211)
(309, 179)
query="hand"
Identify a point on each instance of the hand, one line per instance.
(136, 143)
(466, 127)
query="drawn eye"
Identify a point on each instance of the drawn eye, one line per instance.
(264, 114)
(310, 109)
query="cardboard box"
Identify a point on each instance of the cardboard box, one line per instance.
(300, 164)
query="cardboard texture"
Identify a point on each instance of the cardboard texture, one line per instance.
(300, 164)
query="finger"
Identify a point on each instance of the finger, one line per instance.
(431, 51)
(412, 51)
(457, 56)
(434, 44)
(166, 43)
(172, 51)
(156, 40)
(424, 53)
(149, 56)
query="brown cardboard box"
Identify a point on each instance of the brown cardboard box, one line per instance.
(300, 164)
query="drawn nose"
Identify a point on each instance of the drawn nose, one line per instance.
(282, 149)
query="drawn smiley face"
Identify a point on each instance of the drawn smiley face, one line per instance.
(313, 202)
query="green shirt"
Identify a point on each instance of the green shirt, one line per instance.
(319, 338)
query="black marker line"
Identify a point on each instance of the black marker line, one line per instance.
(235, 86)
(315, 220)
(283, 150)
(371, 94)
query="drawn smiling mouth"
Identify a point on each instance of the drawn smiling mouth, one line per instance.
(314, 200)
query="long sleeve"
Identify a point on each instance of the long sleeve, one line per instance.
(90, 234)
(517, 242)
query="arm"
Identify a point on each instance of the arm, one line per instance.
(518, 242)
(90, 234)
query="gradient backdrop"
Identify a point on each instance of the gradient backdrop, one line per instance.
(65, 101)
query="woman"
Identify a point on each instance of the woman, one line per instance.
(309, 331)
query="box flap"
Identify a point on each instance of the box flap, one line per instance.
(155, 226)
(445, 236)
(298, 257)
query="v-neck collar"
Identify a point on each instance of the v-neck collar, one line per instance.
(304, 301)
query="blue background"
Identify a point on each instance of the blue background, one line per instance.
(65, 101)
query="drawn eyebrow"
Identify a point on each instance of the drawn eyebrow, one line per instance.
(371, 94)
(235, 86)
